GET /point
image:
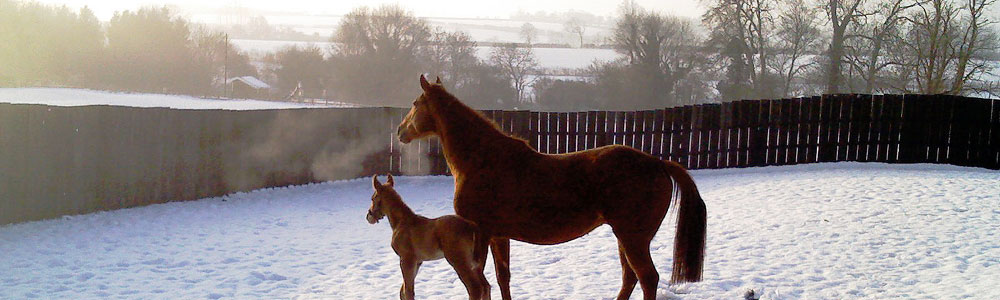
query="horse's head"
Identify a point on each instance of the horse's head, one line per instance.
(375, 212)
(419, 122)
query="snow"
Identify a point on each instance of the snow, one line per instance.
(818, 231)
(82, 97)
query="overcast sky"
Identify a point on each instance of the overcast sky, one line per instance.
(422, 8)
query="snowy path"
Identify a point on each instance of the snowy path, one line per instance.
(825, 231)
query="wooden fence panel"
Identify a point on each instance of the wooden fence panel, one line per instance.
(698, 135)
(616, 121)
(656, 132)
(726, 144)
(961, 137)
(758, 136)
(979, 146)
(912, 133)
(843, 126)
(799, 138)
(860, 140)
(993, 156)
(875, 120)
(602, 134)
(670, 116)
(710, 125)
(591, 130)
(570, 126)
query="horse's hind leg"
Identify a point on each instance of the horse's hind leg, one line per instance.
(628, 276)
(409, 268)
(501, 261)
(466, 270)
(637, 254)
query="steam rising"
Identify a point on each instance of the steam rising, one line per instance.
(296, 146)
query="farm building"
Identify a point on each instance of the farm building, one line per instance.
(248, 87)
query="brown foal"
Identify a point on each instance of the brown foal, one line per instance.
(417, 239)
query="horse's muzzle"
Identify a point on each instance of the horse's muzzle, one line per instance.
(371, 218)
(404, 136)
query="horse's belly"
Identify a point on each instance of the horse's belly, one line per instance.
(554, 233)
(536, 226)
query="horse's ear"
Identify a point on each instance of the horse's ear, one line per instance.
(424, 84)
(438, 81)
(390, 182)
(375, 183)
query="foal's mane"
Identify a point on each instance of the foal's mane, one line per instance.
(448, 104)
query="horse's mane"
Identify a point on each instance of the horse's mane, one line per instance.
(450, 105)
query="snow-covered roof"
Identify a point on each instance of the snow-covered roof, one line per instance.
(250, 81)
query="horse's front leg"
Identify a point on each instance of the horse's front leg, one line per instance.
(501, 261)
(409, 268)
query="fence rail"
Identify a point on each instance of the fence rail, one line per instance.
(69, 160)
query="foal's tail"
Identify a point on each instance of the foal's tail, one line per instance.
(689, 242)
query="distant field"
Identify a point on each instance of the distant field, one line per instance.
(552, 58)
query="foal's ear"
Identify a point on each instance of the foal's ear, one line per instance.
(438, 81)
(424, 84)
(375, 183)
(390, 183)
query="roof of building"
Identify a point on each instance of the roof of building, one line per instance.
(250, 81)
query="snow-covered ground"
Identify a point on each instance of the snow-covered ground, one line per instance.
(820, 231)
(81, 97)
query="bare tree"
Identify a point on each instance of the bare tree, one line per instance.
(742, 31)
(880, 31)
(528, 33)
(575, 26)
(977, 37)
(948, 40)
(797, 34)
(517, 64)
(842, 15)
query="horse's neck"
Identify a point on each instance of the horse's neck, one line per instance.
(398, 212)
(467, 139)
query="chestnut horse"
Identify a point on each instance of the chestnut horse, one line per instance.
(514, 192)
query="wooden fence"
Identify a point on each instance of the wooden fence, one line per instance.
(69, 160)
(881, 128)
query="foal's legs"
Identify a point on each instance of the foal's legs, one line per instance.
(501, 262)
(628, 276)
(409, 268)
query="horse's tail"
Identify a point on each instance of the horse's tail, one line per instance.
(689, 241)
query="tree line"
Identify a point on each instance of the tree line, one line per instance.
(147, 50)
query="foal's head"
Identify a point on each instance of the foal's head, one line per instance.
(419, 122)
(382, 191)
